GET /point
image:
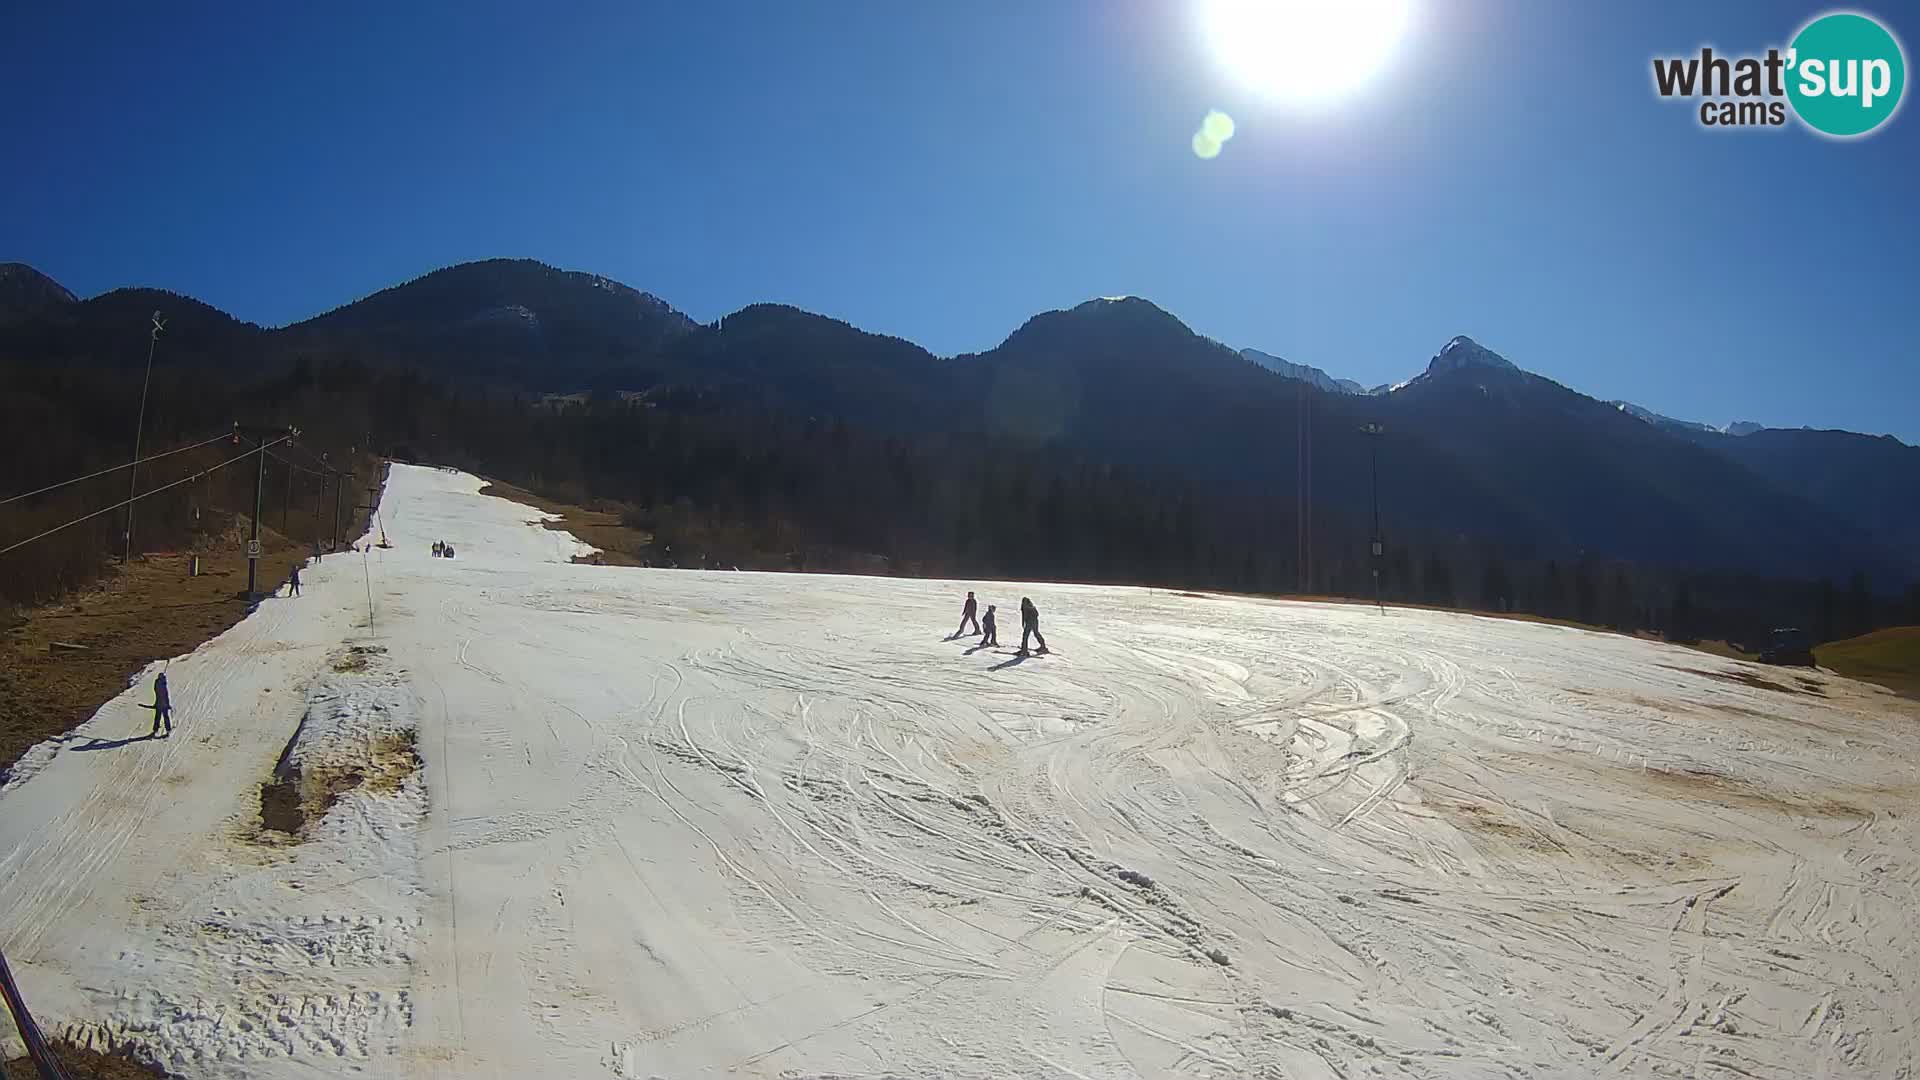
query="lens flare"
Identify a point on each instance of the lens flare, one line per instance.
(1304, 51)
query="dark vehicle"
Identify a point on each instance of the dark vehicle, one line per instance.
(1789, 646)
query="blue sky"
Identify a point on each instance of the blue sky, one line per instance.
(942, 172)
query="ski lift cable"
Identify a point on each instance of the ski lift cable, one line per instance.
(296, 465)
(144, 494)
(115, 468)
(318, 461)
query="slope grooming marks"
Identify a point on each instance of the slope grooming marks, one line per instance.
(675, 823)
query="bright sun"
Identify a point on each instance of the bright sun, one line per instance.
(1304, 50)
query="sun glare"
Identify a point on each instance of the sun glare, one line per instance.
(1304, 51)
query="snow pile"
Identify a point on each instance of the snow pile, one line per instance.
(310, 980)
(351, 769)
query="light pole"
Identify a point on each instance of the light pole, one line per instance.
(133, 470)
(1373, 433)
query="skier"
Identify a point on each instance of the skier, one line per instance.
(162, 706)
(967, 615)
(293, 581)
(437, 545)
(1030, 624)
(988, 636)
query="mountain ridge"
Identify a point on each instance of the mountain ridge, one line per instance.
(1477, 446)
(1459, 351)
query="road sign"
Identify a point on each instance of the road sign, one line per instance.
(253, 549)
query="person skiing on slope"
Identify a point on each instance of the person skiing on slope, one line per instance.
(162, 705)
(293, 580)
(967, 615)
(989, 637)
(1030, 624)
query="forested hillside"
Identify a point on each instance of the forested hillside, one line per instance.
(1108, 442)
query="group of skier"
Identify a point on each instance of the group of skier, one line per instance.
(984, 624)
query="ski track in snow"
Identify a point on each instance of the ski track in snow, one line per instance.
(677, 824)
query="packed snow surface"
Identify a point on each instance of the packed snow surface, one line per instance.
(678, 824)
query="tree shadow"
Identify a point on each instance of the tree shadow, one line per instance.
(114, 744)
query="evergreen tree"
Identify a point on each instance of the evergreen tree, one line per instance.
(1495, 590)
(1859, 605)
(1400, 583)
(1680, 623)
(1623, 616)
(1553, 593)
(1584, 593)
(1436, 581)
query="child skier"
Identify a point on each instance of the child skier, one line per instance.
(967, 611)
(1030, 624)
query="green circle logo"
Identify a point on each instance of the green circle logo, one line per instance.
(1845, 74)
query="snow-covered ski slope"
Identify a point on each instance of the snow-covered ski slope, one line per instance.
(684, 824)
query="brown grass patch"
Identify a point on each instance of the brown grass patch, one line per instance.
(148, 610)
(620, 544)
(1889, 657)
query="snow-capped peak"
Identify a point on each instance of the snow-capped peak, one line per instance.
(1738, 427)
(1310, 375)
(1463, 351)
(1639, 412)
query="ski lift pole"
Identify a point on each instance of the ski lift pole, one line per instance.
(44, 1062)
(133, 469)
(259, 436)
(253, 541)
(1378, 546)
(339, 485)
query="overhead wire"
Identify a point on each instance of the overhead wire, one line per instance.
(296, 465)
(311, 456)
(115, 468)
(261, 449)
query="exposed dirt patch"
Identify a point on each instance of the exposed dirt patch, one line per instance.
(296, 797)
(143, 612)
(281, 810)
(83, 1064)
(1489, 820)
(620, 544)
(1748, 678)
(394, 756)
(1707, 785)
(355, 659)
